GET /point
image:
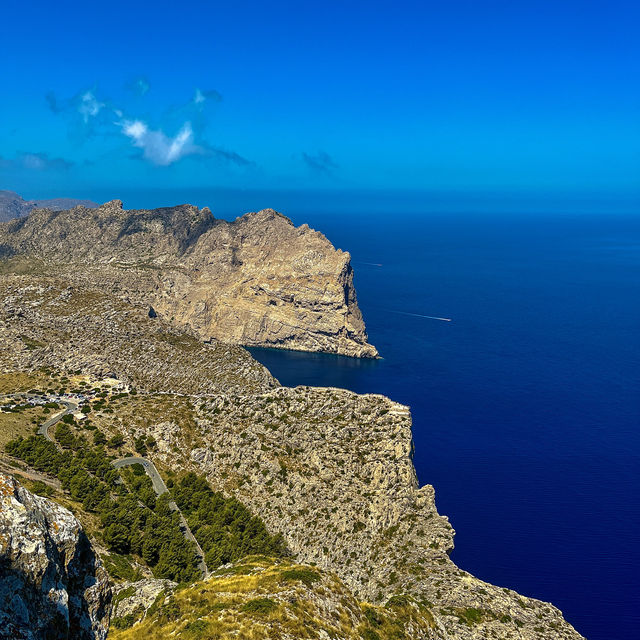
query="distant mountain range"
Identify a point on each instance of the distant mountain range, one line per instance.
(14, 206)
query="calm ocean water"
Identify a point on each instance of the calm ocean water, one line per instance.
(526, 406)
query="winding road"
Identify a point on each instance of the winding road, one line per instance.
(43, 430)
(160, 487)
(156, 480)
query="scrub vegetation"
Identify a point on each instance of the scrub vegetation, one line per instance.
(263, 598)
(135, 525)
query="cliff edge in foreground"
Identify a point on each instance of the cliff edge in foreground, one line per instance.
(257, 281)
(52, 585)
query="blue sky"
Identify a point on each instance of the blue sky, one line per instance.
(454, 96)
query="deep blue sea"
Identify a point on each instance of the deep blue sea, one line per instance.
(526, 406)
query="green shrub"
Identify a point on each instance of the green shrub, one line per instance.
(116, 441)
(225, 529)
(262, 606)
(306, 576)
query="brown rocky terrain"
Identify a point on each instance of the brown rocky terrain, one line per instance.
(258, 281)
(47, 322)
(332, 470)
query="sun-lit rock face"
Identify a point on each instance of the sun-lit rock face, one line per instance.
(258, 281)
(328, 469)
(52, 584)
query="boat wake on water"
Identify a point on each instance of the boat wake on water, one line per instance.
(419, 315)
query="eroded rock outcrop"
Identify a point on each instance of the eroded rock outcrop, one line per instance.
(258, 281)
(132, 600)
(52, 584)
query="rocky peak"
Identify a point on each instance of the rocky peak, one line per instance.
(113, 206)
(52, 584)
(264, 215)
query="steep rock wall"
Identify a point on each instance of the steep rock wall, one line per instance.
(52, 584)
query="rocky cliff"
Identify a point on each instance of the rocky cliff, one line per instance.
(52, 585)
(258, 281)
(332, 471)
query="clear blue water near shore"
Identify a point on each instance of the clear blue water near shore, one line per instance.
(526, 406)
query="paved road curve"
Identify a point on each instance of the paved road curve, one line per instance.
(44, 428)
(160, 487)
(158, 483)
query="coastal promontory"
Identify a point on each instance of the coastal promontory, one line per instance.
(126, 396)
(257, 281)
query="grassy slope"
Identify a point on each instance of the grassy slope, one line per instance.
(261, 598)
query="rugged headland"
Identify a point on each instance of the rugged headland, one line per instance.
(304, 501)
(257, 281)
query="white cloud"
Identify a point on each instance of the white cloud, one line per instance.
(156, 146)
(198, 98)
(90, 116)
(89, 106)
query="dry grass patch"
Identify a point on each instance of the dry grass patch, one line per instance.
(260, 598)
(20, 423)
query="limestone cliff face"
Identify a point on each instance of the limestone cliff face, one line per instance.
(258, 281)
(332, 471)
(52, 585)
